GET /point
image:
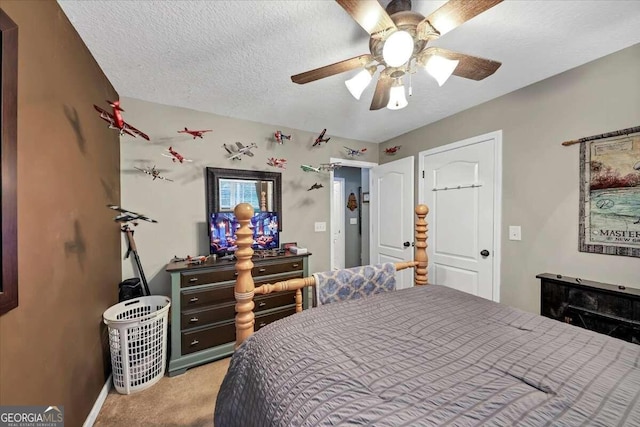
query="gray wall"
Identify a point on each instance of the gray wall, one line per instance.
(540, 176)
(179, 207)
(352, 182)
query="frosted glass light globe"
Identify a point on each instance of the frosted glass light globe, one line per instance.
(397, 49)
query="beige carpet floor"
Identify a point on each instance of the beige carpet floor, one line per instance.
(184, 400)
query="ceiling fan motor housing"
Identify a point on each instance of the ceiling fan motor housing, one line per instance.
(406, 21)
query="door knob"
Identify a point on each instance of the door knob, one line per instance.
(484, 253)
(406, 244)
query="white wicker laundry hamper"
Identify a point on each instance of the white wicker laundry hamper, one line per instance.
(138, 341)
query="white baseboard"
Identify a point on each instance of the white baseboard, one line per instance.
(93, 415)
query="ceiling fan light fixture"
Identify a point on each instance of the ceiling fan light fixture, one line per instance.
(397, 97)
(441, 68)
(397, 49)
(358, 83)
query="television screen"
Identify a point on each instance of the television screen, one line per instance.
(223, 226)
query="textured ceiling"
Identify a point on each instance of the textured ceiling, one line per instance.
(235, 58)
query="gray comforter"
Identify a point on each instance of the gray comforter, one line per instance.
(428, 356)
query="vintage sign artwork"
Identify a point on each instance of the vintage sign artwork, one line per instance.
(610, 196)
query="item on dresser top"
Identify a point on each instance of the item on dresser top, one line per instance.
(223, 226)
(297, 250)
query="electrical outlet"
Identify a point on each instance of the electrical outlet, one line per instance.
(353, 221)
(515, 232)
(320, 226)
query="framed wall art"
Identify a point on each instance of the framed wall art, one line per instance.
(610, 195)
(8, 153)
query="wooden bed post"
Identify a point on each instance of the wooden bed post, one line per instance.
(421, 274)
(244, 288)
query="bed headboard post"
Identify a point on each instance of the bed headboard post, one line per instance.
(421, 274)
(244, 288)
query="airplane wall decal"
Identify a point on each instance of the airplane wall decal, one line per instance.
(174, 155)
(321, 138)
(329, 166)
(239, 150)
(155, 173)
(280, 137)
(392, 150)
(126, 216)
(308, 168)
(116, 121)
(195, 133)
(277, 163)
(351, 152)
(315, 186)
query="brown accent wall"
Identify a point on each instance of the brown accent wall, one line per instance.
(53, 349)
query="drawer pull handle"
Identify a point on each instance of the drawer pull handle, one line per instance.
(295, 266)
(262, 324)
(194, 342)
(193, 320)
(193, 280)
(235, 274)
(262, 270)
(194, 299)
(262, 304)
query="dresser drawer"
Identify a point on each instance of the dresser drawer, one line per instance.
(207, 315)
(266, 302)
(212, 295)
(264, 319)
(276, 268)
(202, 278)
(217, 294)
(202, 339)
(225, 332)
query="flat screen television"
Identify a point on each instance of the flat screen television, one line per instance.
(223, 226)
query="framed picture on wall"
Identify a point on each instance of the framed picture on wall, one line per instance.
(609, 218)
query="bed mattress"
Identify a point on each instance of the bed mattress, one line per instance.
(425, 356)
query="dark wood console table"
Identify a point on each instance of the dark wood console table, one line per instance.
(608, 309)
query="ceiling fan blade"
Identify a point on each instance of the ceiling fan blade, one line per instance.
(330, 70)
(469, 67)
(381, 95)
(369, 14)
(457, 12)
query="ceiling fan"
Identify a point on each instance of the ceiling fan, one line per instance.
(398, 44)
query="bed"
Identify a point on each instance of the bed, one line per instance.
(428, 355)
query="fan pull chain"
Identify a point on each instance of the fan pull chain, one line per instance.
(410, 86)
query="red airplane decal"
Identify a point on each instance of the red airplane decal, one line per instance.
(392, 150)
(116, 122)
(174, 155)
(280, 137)
(321, 138)
(277, 163)
(195, 133)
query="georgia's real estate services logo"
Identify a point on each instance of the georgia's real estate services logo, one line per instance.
(31, 416)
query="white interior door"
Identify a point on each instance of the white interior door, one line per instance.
(392, 216)
(460, 185)
(337, 223)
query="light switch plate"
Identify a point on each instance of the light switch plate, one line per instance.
(515, 232)
(320, 226)
(353, 221)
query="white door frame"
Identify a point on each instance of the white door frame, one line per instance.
(497, 198)
(344, 162)
(342, 216)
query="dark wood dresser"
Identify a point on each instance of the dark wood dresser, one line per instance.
(203, 305)
(608, 309)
